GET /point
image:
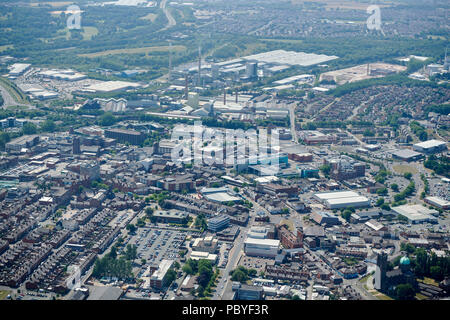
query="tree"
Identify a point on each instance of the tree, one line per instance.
(29, 128)
(394, 187)
(346, 214)
(48, 126)
(171, 275)
(131, 228)
(405, 292)
(408, 175)
(368, 133)
(379, 202)
(107, 119)
(326, 169)
(436, 272)
(131, 252)
(239, 275)
(188, 269)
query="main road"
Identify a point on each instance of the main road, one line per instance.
(170, 18)
(292, 119)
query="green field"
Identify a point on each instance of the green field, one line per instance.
(89, 32)
(402, 168)
(6, 47)
(131, 51)
(4, 294)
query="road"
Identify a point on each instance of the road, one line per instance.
(292, 119)
(8, 99)
(170, 18)
(234, 255)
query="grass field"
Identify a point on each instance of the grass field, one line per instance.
(289, 224)
(420, 297)
(89, 32)
(55, 4)
(6, 47)
(283, 40)
(4, 294)
(402, 168)
(429, 281)
(150, 16)
(131, 51)
(341, 4)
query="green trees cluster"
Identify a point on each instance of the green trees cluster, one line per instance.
(201, 222)
(111, 266)
(418, 130)
(242, 274)
(347, 213)
(107, 119)
(382, 175)
(439, 165)
(430, 265)
(409, 190)
(206, 275)
(326, 169)
(439, 108)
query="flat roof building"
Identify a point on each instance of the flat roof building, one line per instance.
(261, 247)
(342, 199)
(159, 275)
(430, 146)
(218, 223)
(123, 135)
(438, 202)
(416, 213)
(406, 155)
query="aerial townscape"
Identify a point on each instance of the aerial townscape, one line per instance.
(224, 150)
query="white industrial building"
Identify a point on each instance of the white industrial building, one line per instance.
(342, 199)
(201, 255)
(111, 86)
(438, 202)
(430, 146)
(416, 213)
(257, 232)
(18, 68)
(261, 247)
(67, 75)
(113, 105)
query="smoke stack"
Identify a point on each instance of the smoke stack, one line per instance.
(199, 66)
(236, 96)
(224, 96)
(186, 86)
(170, 61)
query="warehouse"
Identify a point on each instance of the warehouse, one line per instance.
(406, 155)
(220, 195)
(342, 199)
(18, 68)
(430, 146)
(438, 202)
(111, 86)
(261, 247)
(416, 213)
